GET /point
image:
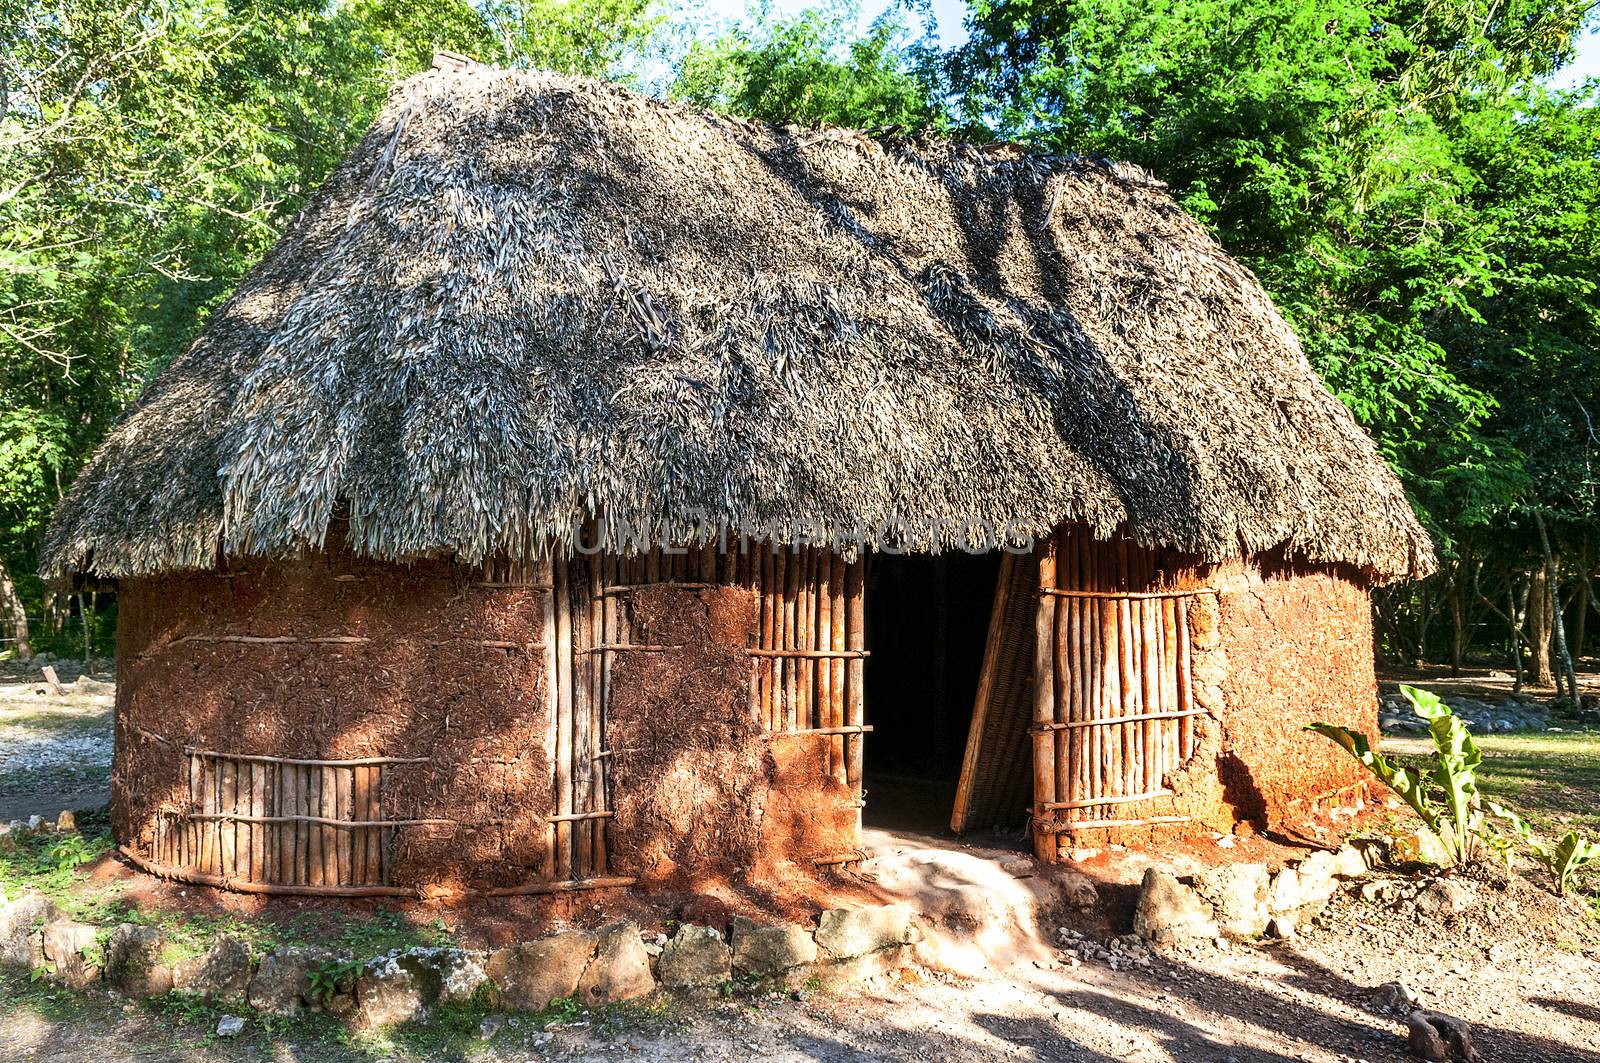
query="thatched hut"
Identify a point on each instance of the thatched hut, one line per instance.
(526, 520)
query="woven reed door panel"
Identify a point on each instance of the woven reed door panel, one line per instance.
(997, 771)
(1113, 705)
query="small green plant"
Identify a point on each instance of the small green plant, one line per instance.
(1446, 798)
(562, 1010)
(47, 862)
(328, 979)
(1564, 860)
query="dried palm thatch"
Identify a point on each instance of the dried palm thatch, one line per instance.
(527, 300)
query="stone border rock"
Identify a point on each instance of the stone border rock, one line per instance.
(1240, 902)
(616, 962)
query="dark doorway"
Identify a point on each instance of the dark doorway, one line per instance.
(927, 622)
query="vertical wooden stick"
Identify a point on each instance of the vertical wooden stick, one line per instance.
(806, 634)
(330, 835)
(344, 781)
(1044, 710)
(791, 591)
(767, 665)
(229, 794)
(855, 693)
(564, 708)
(1152, 690)
(361, 812)
(313, 801)
(837, 641)
(600, 798)
(1185, 683)
(1068, 663)
(294, 804)
(552, 710)
(385, 835)
(824, 641)
(191, 856)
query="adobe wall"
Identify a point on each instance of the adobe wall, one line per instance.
(1279, 646)
(1295, 646)
(421, 684)
(380, 660)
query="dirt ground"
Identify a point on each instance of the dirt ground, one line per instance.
(1518, 963)
(55, 749)
(1528, 993)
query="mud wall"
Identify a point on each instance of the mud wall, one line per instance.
(376, 661)
(704, 794)
(335, 657)
(1294, 645)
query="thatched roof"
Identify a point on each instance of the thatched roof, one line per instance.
(526, 300)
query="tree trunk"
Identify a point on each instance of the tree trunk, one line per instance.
(1518, 605)
(1458, 613)
(1424, 619)
(15, 614)
(1540, 622)
(1558, 621)
(1585, 597)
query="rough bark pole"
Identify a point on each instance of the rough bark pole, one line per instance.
(1458, 613)
(1558, 622)
(16, 616)
(1541, 622)
(1044, 696)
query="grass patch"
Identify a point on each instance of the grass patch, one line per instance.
(1551, 780)
(49, 862)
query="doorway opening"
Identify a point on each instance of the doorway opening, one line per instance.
(927, 622)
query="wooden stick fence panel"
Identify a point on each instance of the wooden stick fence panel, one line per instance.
(1068, 660)
(1114, 708)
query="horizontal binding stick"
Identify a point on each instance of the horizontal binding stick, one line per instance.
(628, 588)
(841, 858)
(1118, 799)
(330, 821)
(263, 759)
(852, 729)
(1056, 592)
(611, 647)
(1086, 824)
(1111, 721)
(574, 816)
(564, 886)
(238, 885)
(276, 640)
(809, 653)
(499, 644)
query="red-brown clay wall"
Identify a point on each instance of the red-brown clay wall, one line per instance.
(420, 685)
(390, 661)
(1296, 647)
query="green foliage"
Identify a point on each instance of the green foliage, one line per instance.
(48, 862)
(563, 1010)
(1421, 210)
(1570, 854)
(1446, 797)
(812, 69)
(333, 977)
(151, 152)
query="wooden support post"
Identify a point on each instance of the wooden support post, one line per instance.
(564, 708)
(1044, 757)
(855, 674)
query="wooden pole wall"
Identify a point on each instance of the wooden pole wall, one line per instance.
(1113, 711)
(323, 824)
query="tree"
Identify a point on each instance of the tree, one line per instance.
(151, 151)
(1420, 210)
(812, 69)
